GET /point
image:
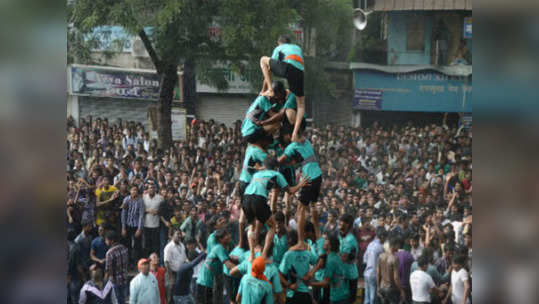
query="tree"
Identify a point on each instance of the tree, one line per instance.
(179, 35)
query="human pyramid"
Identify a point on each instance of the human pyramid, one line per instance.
(274, 128)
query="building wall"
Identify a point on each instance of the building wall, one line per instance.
(113, 108)
(396, 41)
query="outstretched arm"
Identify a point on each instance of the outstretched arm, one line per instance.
(273, 118)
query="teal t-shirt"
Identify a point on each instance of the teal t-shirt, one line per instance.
(291, 103)
(253, 155)
(212, 266)
(349, 245)
(301, 151)
(211, 242)
(271, 272)
(285, 49)
(255, 291)
(280, 246)
(265, 180)
(335, 270)
(258, 109)
(317, 249)
(300, 261)
(238, 252)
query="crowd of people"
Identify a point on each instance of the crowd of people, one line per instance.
(393, 217)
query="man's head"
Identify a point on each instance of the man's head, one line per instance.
(101, 230)
(381, 233)
(111, 238)
(309, 231)
(87, 226)
(222, 236)
(458, 262)
(133, 191)
(176, 237)
(331, 243)
(423, 262)
(270, 163)
(144, 266)
(395, 243)
(96, 273)
(106, 181)
(279, 92)
(154, 259)
(280, 220)
(151, 188)
(345, 223)
(283, 39)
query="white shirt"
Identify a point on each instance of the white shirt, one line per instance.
(150, 220)
(144, 289)
(421, 283)
(457, 285)
(174, 255)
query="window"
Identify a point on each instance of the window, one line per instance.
(415, 36)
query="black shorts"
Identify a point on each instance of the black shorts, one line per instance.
(300, 298)
(293, 75)
(257, 136)
(255, 207)
(287, 127)
(289, 175)
(309, 193)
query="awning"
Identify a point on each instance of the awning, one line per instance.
(422, 5)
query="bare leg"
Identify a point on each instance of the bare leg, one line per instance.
(291, 116)
(269, 237)
(265, 67)
(299, 117)
(301, 223)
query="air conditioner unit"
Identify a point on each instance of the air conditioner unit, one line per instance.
(138, 49)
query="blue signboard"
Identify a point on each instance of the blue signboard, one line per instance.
(468, 28)
(419, 91)
(368, 99)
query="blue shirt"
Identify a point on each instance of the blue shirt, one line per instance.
(370, 258)
(99, 247)
(286, 49)
(258, 110)
(300, 152)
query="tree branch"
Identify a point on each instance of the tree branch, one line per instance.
(151, 51)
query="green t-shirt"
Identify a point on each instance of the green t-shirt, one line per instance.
(285, 49)
(300, 262)
(349, 245)
(238, 252)
(255, 291)
(291, 103)
(265, 180)
(211, 242)
(258, 109)
(335, 270)
(212, 266)
(271, 272)
(317, 249)
(300, 152)
(253, 155)
(362, 183)
(280, 246)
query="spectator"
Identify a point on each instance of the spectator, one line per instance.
(460, 282)
(174, 258)
(99, 248)
(97, 290)
(84, 240)
(421, 283)
(370, 258)
(75, 268)
(152, 201)
(159, 273)
(116, 263)
(132, 223)
(144, 289)
(182, 291)
(387, 274)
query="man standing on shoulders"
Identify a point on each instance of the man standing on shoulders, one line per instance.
(143, 288)
(117, 259)
(152, 201)
(174, 258)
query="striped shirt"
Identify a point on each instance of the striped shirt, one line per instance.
(117, 259)
(133, 212)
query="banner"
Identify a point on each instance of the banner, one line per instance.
(116, 83)
(365, 99)
(418, 91)
(178, 123)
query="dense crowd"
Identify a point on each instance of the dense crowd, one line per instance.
(402, 192)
